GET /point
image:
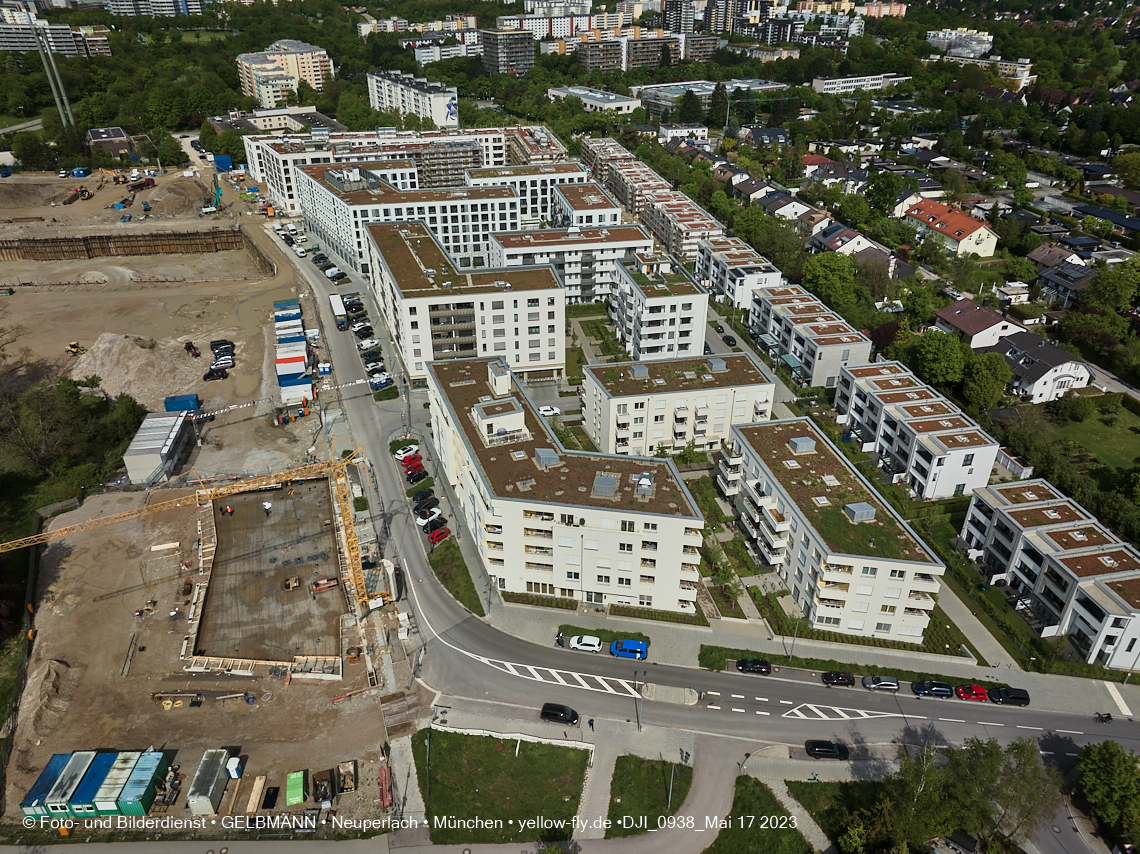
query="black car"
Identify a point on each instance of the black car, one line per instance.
(754, 665)
(423, 495)
(417, 476)
(838, 677)
(221, 342)
(426, 504)
(289, 241)
(720, 327)
(216, 374)
(1009, 696)
(435, 524)
(931, 688)
(558, 714)
(708, 349)
(826, 750)
(729, 340)
(372, 355)
(320, 259)
(363, 332)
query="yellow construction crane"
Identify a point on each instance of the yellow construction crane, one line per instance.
(336, 469)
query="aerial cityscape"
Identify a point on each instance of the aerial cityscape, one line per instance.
(624, 426)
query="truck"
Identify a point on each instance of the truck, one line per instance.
(338, 311)
(141, 184)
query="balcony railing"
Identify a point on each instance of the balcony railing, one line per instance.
(837, 569)
(727, 487)
(538, 532)
(731, 472)
(734, 457)
(914, 612)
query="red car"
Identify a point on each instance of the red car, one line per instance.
(438, 536)
(413, 468)
(971, 692)
(414, 458)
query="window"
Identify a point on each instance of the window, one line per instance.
(625, 566)
(649, 526)
(623, 409)
(860, 607)
(968, 460)
(870, 572)
(855, 625)
(648, 579)
(959, 489)
(567, 519)
(882, 627)
(645, 601)
(625, 582)
(887, 609)
(628, 526)
(625, 547)
(603, 579)
(566, 542)
(603, 563)
(592, 545)
(898, 573)
(827, 621)
(892, 593)
(649, 545)
(864, 590)
(573, 560)
(573, 576)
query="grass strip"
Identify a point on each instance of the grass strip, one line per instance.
(640, 794)
(451, 569)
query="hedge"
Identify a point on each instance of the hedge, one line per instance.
(539, 601)
(697, 619)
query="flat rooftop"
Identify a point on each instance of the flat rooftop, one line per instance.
(1060, 513)
(676, 282)
(1107, 562)
(1024, 493)
(585, 197)
(552, 238)
(537, 171)
(805, 479)
(966, 439)
(512, 473)
(677, 375)
(1081, 537)
(248, 612)
(410, 251)
(920, 410)
(888, 397)
(934, 425)
(893, 382)
(887, 370)
(388, 195)
(1127, 589)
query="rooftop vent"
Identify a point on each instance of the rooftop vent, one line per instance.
(645, 484)
(802, 444)
(546, 458)
(716, 366)
(605, 486)
(639, 372)
(820, 500)
(860, 512)
(518, 455)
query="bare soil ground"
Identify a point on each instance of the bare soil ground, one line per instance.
(77, 698)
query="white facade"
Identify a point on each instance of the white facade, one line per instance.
(586, 260)
(585, 206)
(534, 185)
(629, 537)
(866, 83)
(638, 407)
(679, 223)
(404, 94)
(919, 437)
(732, 269)
(270, 75)
(435, 311)
(870, 578)
(596, 100)
(438, 52)
(658, 309)
(1072, 574)
(1041, 371)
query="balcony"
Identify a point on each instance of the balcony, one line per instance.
(924, 578)
(494, 546)
(728, 488)
(776, 539)
(492, 529)
(774, 557)
(837, 604)
(918, 599)
(837, 586)
(915, 612)
(691, 568)
(831, 570)
(730, 472)
(734, 457)
(775, 519)
(539, 533)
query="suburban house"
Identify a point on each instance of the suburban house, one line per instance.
(975, 325)
(1041, 371)
(1127, 225)
(1051, 254)
(839, 238)
(1064, 282)
(959, 232)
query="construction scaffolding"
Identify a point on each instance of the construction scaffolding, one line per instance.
(128, 243)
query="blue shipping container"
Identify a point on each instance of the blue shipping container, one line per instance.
(291, 339)
(82, 803)
(278, 303)
(139, 790)
(300, 379)
(33, 803)
(183, 403)
(223, 162)
(286, 314)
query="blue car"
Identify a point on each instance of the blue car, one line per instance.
(629, 649)
(931, 689)
(376, 385)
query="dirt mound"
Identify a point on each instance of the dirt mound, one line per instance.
(24, 194)
(51, 685)
(176, 196)
(144, 368)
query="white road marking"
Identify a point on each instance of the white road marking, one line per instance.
(1072, 754)
(812, 712)
(741, 711)
(762, 699)
(738, 696)
(1071, 731)
(787, 702)
(1120, 704)
(1045, 752)
(713, 707)
(763, 713)
(987, 723)
(1038, 728)
(951, 721)
(713, 693)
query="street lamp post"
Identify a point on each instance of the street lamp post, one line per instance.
(794, 636)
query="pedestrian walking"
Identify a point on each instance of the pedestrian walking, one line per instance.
(267, 506)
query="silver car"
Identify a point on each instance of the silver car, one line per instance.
(586, 643)
(880, 683)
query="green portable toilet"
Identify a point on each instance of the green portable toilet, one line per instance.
(68, 782)
(33, 802)
(139, 790)
(295, 789)
(107, 796)
(82, 803)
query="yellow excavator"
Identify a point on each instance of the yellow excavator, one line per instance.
(115, 176)
(75, 349)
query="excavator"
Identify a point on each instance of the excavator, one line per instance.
(74, 349)
(115, 176)
(335, 469)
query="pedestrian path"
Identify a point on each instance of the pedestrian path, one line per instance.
(986, 644)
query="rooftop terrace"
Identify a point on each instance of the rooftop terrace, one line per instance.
(552, 238)
(1024, 493)
(657, 284)
(386, 194)
(677, 375)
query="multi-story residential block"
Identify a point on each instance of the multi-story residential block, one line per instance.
(806, 335)
(850, 562)
(882, 10)
(157, 8)
(281, 120)
(961, 42)
(679, 16)
(959, 233)
(919, 437)
(690, 131)
(1018, 74)
(586, 259)
(1072, 575)
(721, 15)
(406, 94)
(427, 54)
(597, 154)
(534, 185)
(679, 223)
(732, 269)
(562, 26)
(633, 183)
(865, 83)
(340, 202)
(435, 311)
(658, 309)
(386, 25)
(658, 97)
(557, 7)
(270, 75)
(602, 529)
(602, 55)
(640, 407)
(780, 30)
(585, 206)
(18, 35)
(507, 51)
(596, 100)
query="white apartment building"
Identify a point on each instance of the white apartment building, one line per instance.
(638, 407)
(340, 202)
(850, 562)
(865, 83)
(596, 100)
(1019, 74)
(18, 35)
(534, 185)
(807, 336)
(1072, 575)
(586, 259)
(585, 206)
(406, 94)
(920, 438)
(597, 154)
(435, 311)
(271, 74)
(600, 529)
(439, 52)
(679, 223)
(961, 42)
(730, 268)
(563, 26)
(633, 182)
(441, 156)
(658, 309)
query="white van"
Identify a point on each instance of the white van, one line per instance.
(278, 230)
(331, 271)
(292, 229)
(300, 252)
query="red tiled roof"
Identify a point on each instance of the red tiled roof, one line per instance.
(816, 160)
(952, 223)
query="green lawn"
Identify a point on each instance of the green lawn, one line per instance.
(586, 309)
(1117, 446)
(641, 788)
(727, 607)
(575, 358)
(473, 777)
(204, 35)
(451, 569)
(704, 492)
(830, 803)
(753, 805)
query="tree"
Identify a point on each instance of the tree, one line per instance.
(855, 210)
(33, 153)
(1020, 270)
(955, 187)
(937, 358)
(986, 377)
(882, 192)
(1114, 289)
(689, 108)
(831, 277)
(717, 115)
(918, 306)
(1127, 167)
(919, 799)
(1110, 782)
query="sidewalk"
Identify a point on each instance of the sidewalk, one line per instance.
(993, 652)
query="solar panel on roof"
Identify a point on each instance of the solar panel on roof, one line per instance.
(605, 485)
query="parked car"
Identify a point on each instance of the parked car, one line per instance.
(426, 504)
(708, 349)
(1009, 696)
(754, 665)
(549, 411)
(971, 692)
(558, 714)
(422, 494)
(406, 451)
(377, 384)
(367, 344)
(225, 362)
(413, 467)
(338, 275)
(439, 535)
(359, 322)
(220, 344)
(288, 240)
(372, 355)
(826, 750)
(436, 525)
(378, 374)
(364, 332)
(931, 688)
(719, 328)
(373, 364)
(412, 460)
(838, 677)
(125, 218)
(627, 648)
(218, 374)
(415, 477)
(586, 643)
(427, 516)
(880, 683)
(729, 340)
